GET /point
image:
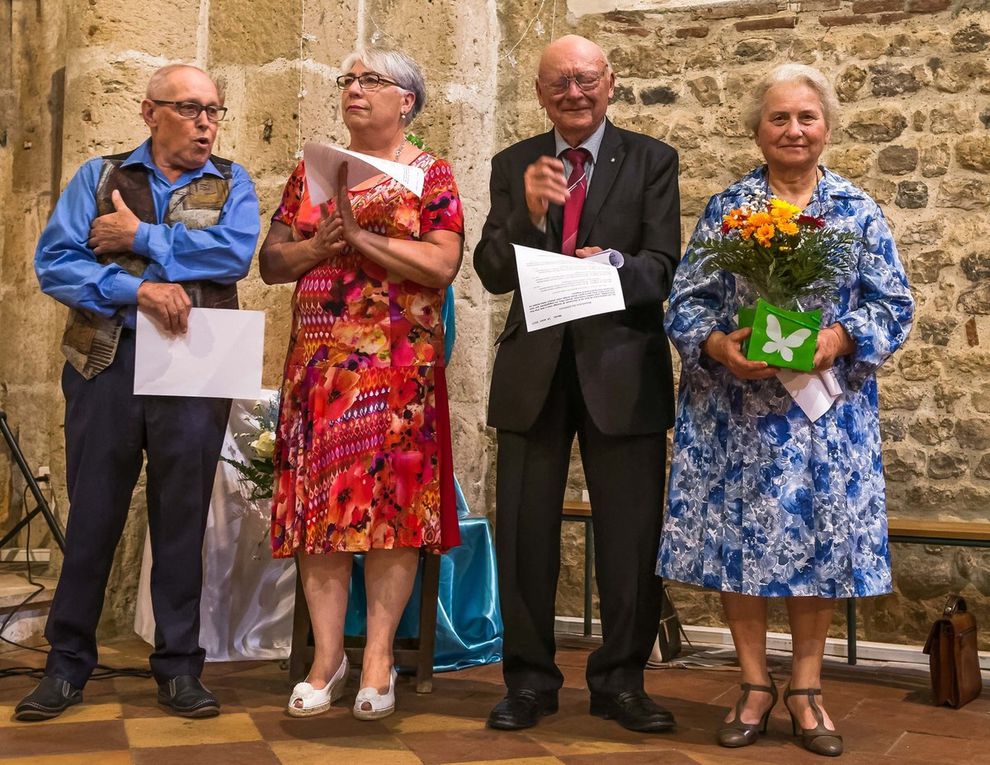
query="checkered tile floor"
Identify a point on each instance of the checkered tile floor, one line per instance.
(883, 713)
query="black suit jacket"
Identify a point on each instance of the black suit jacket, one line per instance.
(622, 358)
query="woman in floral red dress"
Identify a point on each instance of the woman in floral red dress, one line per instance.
(362, 456)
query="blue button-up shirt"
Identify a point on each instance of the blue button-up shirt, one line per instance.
(69, 271)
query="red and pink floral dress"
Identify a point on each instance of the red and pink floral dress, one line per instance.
(362, 450)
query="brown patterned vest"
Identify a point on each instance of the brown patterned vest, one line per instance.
(90, 340)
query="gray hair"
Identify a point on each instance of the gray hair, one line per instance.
(159, 79)
(397, 66)
(799, 73)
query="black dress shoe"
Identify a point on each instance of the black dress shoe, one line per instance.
(633, 710)
(48, 700)
(187, 697)
(522, 708)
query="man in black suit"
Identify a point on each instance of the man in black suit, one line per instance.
(606, 378)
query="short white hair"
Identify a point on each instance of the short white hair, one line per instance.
(789, 73)
(397, 66)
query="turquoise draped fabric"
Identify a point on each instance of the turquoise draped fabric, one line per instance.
(469, 625)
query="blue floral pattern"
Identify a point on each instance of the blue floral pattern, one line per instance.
(762, 501)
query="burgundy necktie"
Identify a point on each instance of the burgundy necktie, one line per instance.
(577, 183)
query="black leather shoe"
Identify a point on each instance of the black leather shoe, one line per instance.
(633, 710)
(522, 708)
(48, 700)
(187, 697)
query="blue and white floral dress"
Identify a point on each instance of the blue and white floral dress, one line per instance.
(761, 500)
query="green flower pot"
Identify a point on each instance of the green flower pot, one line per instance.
(781, 338)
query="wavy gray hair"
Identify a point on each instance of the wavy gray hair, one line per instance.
(397, 66)
(800, 73)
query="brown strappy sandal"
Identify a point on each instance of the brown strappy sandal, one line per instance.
(820, 740)
(737, 733)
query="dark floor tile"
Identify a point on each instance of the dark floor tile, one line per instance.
(438, 747)
(250, 753)
(934, 748)
(630, 758)
(53, 738)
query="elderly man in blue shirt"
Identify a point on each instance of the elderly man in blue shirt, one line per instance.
(163, 228)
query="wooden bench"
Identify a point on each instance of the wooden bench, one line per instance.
(580, 512)
(900, 531)
(908, 531)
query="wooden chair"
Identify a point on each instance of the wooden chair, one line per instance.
(409, 652)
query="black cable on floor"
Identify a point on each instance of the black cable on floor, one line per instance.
(102, 671)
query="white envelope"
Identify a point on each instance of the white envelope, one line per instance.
(323, 163)
(220, 356)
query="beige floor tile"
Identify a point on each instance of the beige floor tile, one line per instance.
(89, 758)
(374, 750)
(149, 732)
(517, 761)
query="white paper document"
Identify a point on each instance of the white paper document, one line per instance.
(220, 356)
(323, 163)
(558, 288)
(814, 392)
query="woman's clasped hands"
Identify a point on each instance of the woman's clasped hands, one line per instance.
(338, 229)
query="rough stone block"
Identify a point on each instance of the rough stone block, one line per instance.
(912, 195)
(903, 464)
(843, 21)
(776, 22)
(936, 331)
(976, 300)
(867, 46)
(952, 118)
(706, 90)
(851, 161)
(736, 10)
(976, 266)
(876, 125)
(973, 433)
(234, 31)
(889, 80)
(898, 160)
(964, 193)
(695, 32)
(928, 6)
(876, 6)
(755, 49)
(970, 39)
(973, 153)
(934, 158)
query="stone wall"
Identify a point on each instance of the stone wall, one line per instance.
(914, 82)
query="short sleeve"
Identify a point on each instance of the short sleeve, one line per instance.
(291, 197)
(441, 203)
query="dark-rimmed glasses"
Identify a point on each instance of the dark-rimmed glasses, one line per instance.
(584, 80)
(190, 109)
(367, 81)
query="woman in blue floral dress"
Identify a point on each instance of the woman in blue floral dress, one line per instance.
(762, 501)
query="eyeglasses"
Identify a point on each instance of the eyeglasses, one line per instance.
(584, 80)
(190, 109)
(367, 81)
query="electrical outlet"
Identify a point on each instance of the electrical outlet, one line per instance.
(585, 497)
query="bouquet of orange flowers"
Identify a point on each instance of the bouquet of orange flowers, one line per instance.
(789, 259)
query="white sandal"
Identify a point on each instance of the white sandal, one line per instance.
(369, 704)
(317, 700)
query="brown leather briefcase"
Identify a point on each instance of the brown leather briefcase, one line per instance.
(953, 656)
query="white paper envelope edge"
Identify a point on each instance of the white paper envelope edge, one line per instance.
(220, 356)
(809, 392)
(322, 163)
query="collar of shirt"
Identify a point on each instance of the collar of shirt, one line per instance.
(142, 156)
(592, 143)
